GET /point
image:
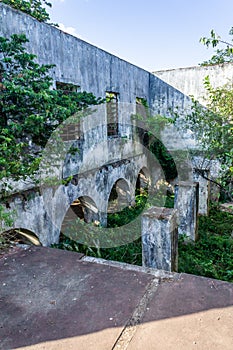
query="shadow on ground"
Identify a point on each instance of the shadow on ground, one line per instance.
(48, 294)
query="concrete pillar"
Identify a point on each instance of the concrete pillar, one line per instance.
(202, 176)
(160, 239)
(186, 203)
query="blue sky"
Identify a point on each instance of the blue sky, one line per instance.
(153, 34)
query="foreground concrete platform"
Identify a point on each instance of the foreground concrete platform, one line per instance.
(51, 299)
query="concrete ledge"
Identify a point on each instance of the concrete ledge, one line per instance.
(160, 274)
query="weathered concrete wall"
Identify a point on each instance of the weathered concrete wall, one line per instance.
(29, 212)
(160, 239)
(77, 61)
(186, 203)
(43, 210)
(165, 99)
(101, 161)
(202, 176)
(83, 64)
(190, 80)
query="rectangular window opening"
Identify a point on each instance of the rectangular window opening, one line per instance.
(72, 131)
(141, 106)
(67, 87)
(112, 99)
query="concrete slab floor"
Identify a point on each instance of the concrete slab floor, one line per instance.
(49, 294)
(189, 313)
(52, 299)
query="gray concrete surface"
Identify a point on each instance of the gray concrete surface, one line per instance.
(190, 80)
(51, 299)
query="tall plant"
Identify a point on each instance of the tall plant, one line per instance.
(30, 110)
(213, 126)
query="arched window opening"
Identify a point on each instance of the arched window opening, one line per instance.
(18, 236)
(143, 182)
(119, 197)
(83, 208)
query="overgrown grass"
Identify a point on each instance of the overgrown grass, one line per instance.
(128, 214)
(130, 253)
(211, 256)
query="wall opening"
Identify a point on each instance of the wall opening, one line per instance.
(141, 107)
(119, 197)
(143, 182)
(82, 208)
(70, 131)
(18, 236)
(67, 87)
(112, 110)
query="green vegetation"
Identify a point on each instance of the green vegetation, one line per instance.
(164, 158)
(29, 109)
(129, 213)
(223, 55)
(213, 128)
(34, 8)
(5, 218)
(129, 253)
(149, 129)
(212, 255)
(213, 125)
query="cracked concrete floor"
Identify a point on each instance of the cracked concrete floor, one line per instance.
(52, 299)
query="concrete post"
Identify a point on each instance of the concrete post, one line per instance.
(201, 176)
(160, 239)
(186, 203)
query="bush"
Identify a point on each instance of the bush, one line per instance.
(212, 255)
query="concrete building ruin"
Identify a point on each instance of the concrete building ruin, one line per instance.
(111, 159)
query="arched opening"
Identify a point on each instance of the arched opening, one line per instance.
(119, 197)
(143, 182)
(124, 208)
(74, 231)
(18, 236)
(165, 159)
(83, 208)
(160, 151)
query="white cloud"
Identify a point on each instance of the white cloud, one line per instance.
(69, 30)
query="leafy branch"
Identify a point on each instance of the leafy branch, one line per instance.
(34, 8)
(224, 55)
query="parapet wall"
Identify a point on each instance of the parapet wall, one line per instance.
(87, 66)
(190, 80)
(97, 71)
